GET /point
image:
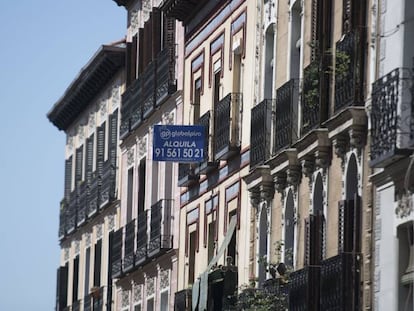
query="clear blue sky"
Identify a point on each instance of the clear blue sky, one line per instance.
(43, 46)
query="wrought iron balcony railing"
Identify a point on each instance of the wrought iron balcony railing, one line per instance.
(182, 9)
(260, 132)
(285, 128)
(182, 300)
(116, 259)
(340, 282)
(304, 289)
(392, 117)
(310, 98)
(98, 299)
(129, 246)
(208, 164)
(82, 203)
(93, 198)
(348, 68)
(76, 305)
(87, 303)
(107, 187)
(161, 228)
(227, 118)
(131, 108)
(148, 89)
(187, 174)
(142, 239)
(72, 212)
(166, 82)
(63, 218)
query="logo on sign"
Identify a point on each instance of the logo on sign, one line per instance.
(165, 133)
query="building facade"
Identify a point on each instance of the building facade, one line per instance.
(89, 115)
(392, 145)
(145, 265)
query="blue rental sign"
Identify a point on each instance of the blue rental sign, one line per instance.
(178, 143)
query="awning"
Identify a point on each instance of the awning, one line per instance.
(200, 286)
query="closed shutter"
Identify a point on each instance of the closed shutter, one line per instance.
(113, 135)
(97, 264)
(75, 284)
(141, 186)
(87, 270)
(79, 165)
(314, 233)
(342, 206)
(62, 288)
(147, 46)
(142, 230)
(357, 224)
(89, 157)
(156, 32)
(155, 221)
(100, 148)
(68, 177)
(129, 238)
(169, 42)
(141, 45)
(131, 60)
(116, 251)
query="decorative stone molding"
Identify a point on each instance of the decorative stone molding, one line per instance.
(150, 286)
(99, 231)
(111, 222)
(76, 246)
(341, 145)
(164, 279)
(255, 198)
(81, 132)
(308, 166)
(103, 108)
(69, 142)
(88, 239)
(357, 136)
(168, 118)
(137, 293)
(267, 191)
(130, 157)
(404, 204)
(142, 147)
(280, 180)
(91, 121)
(116, 96)
(294, 175)
(134, 22)
(66, 252)
(125, 298)
(322, 157)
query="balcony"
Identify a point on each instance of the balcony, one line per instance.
(187, 174)
(148, 89)
(142, 239)
(87, 303)
(310, 98)
(260, 132)
(63, 218)
(93, 198)
(227, 118)
(161, 228)
(285, 128)
(72, 212)
(98, 298)
(107, 187)
(131, 109)
(165, 75)
(116, 255)
(348, 72)
(208, 164)
(340, 282)
(129, 245)
(392, 117)
(304, 289)
(182, 300)
(83, 203)
(76, 305)
(182, 10)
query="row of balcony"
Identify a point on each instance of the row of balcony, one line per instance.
(148, 91)
(90, 302)
(148, 236)
(87, 199)
(223, 138)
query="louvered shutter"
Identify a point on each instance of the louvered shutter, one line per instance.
(100, 148)
(357, 224)
(89, 157)
(79, 165)
(131, 60)
(129, 238)
(142, 230)
(307, 251)
(147, 45)
(62, 288)
(156, 32)
(314, 239)
(113, 134)
(97, 264)
(342, 206)
(116, 251)
(141, 185)
(75, 282)
(141, 45)
(68, 177)
(155, 221)
(87, 270)
(169, 38)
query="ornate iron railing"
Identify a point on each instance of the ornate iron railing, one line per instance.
(129, 246)
(83, 202)
(260, 130)
(93, 198)
(98, 299)
(76, 305)
(87, 303)
(142, 239)
(348, 72)
(166, 83)
(227, 117)
(340, 279)
(107, 189)
(63, 218)
(304, 289)
(285, 128)
(131, 108)
(186, 174)
(310, 97)
(161, 227)
(148, 89)
(392, 111)
(72, 212)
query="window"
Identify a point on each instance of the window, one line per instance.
(130, 184)
(100, 147)
(87, 268)
(164, 301)
(191, 259)
(231, 249)
(141, 185)
(75, 284)
(79, 166)
(97, 264)
(150, 304)
(196, 100)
